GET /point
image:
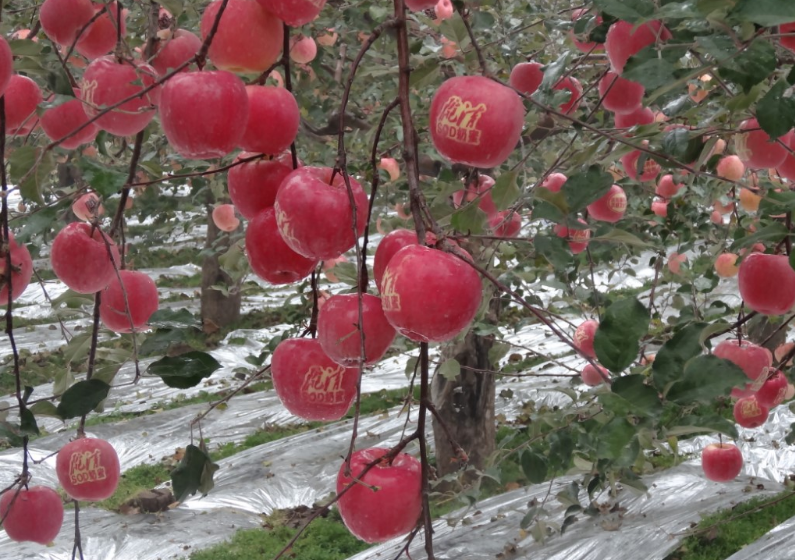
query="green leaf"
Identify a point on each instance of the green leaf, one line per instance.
(534, 467)
(45, 408)
(171, 319)
(642, 398)
(497, 352)
(105, 180)
(21, 163)
(669, 363)
(653, 68)
(774, 232)
(703, 424)
(706, 378)
(82, 397)
(679, 144)
(426, 73)
(28, 424)
(449, 369)
(765, 12)
(553, 72)
(614, 437)
(776, 113)
(468, 219)
(750, 67)
(505, 190)
(621, 236)
(194, 473)
(581, 189)
(790, 437)
(184, 371)
(454, 29)
(617, 339)
(628, 10)
(11, 433)
(555, 250)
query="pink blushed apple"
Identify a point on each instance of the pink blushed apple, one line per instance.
(339, 334)
(721, 462)
(88, 469)
(273, 120)
(136, 289)
(253, 185)
(81, 260)
(34, 514)
(269, 256)
(583, 337)
(767, 283)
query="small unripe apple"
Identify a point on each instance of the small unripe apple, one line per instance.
(721, 462)
(273, 120)
(638, 117)
(583, 337)
(269, 256)
(625, 39)
(339, 333)
(21, 270)
(756, 149)
(748, 413)
(309, 384)
(253, 185)
(32, 515)
(667, 188)
(577, 238)
(141, 295)
(80, 258)
(620, 95)
(554, 182)
(749, 200)
(731, 168)
(767, 283)
(224, 217)
(22, 97)
(303, 50)
(388, 512)
(725, 265)
(88, 469)
(611, 207)
(592, 376)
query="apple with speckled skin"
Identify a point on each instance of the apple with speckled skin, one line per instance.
(181, 47)
(81, 260)
(269, 256)
(33, 515)
(339, 334)
(309, 383)
(88, 469)
(767, 283)
(141, 295)
(390, 511)
(721, 462)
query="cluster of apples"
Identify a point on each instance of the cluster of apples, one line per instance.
(506, 223)
(87, 469)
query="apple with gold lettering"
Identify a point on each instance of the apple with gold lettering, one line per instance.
(88, 469)
(748, 413)
(309, 383)
(476, 121)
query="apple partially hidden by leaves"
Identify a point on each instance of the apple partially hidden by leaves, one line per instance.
(88, 469)
(583, 337)
(721, 462)
(33, 515)
(749, 357)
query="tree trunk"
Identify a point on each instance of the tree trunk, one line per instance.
(218, 310)
(466, 406)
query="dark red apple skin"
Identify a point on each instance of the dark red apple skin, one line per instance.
(721, 462)
(253, 185)
(505, 224)
(22, 97)
(338, 332)
(20, 278)
(141, 295)
(527, 77)
(620, 95)
(182, 46)
(787, 42)
(294, 13)
(756, 149)
(476, 121)
(59, 122)
(592, 376)
(748, 413)
(429, 295)
(583, 337)
(392, 242)
(61, 20)
(314, 213)
(390, 512)
(35, 515)
(81, 261)
(88, 469)
(773, 391)
(611, 207)
(638, 117)
(269, 256)
(248, 40)
(273, 120)
(212, 131)
(106, 82)
(749, 357)
(309, 384)
(6, 65)
(625, 39)
(767, 283)
(101, 36)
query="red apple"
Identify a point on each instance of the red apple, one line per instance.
(666, 187)
(22, 97)
(577, 238)
(88, 207)
(314, 212)
(6, 65)
(391, 511)
(429, 295)
(80, 259)
(787, 42)
(731, 168)
(253, 185)
(748, 413)
(249, 38)
(755, 148)
(583, 337)
(639, 117)
(573, 86)
(303, 50)
(767, 283)
(620, 95)
(554, 182)
(725, 265)
(294, 13)
(592, 376)
(88, 469)
(62, 19)
(59, 122)
(650, 167)
(476, 121)
(142, 297)
(21, 270)
(33, 515)
(101, 36)
(749, 357)
(182, 46)
(309, 384)
(392, 242)
(338, 331)
(107, 82)
(611, 207)
(444, 9)
(626, 39)
(660, 208)
(269, 256)
(721, 462)
(204, 113)
(526, 77)
(505, 224)
(273, 120)
(584, 45)
(391, 166)
(224, 217)
(773, 391)
(481, 191)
